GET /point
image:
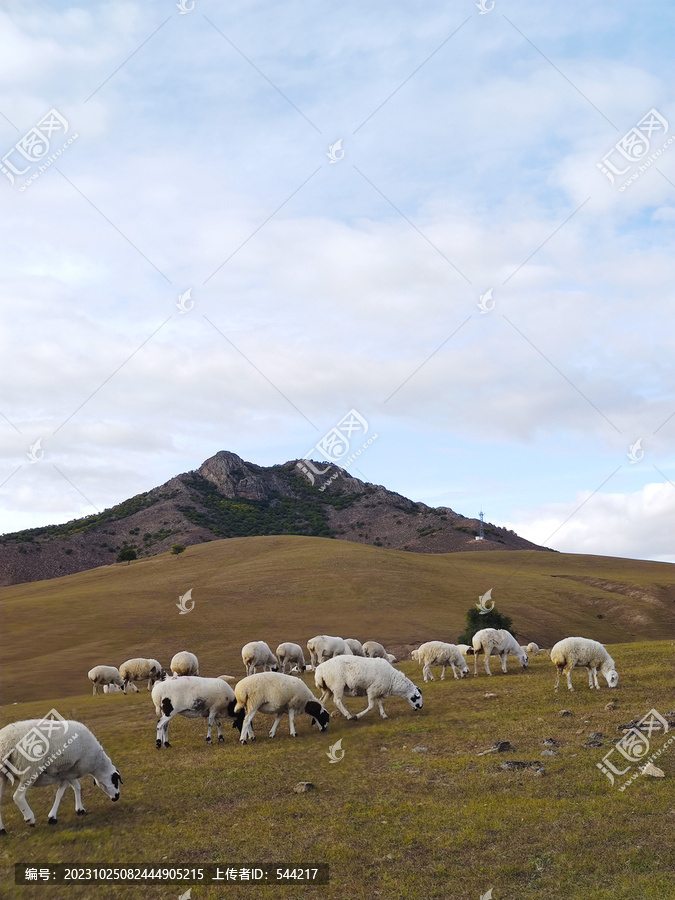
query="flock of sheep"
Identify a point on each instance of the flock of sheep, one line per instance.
(341, 667)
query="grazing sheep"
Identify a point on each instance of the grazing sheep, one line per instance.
(275, 693)
(257, 653)
(436, 653)
(69, 751)
(532, 648)
(194, 698)
(355, 646)
(105, 676)
(323, 647)
(111, 688)
(185, 663)
(375, 678)
(140, 669)
(374, 650)
(500, 642)
(465, 650)
(291, 654)
(578, 651)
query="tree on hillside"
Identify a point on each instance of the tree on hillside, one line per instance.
(177, 548)
(475, 620)
(126, 555)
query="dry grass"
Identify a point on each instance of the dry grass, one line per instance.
(391, 822)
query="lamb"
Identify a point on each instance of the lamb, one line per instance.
(257, 653)
(377, 679)
(355, 646)
(501, 642)
(436, 653)
(194, 698)
(323, 647)
(105, 676)
(140, 669)
(185, 663)
(376, 651)
(291, 654)
(276, 693)
(578, 651)
(69, 751)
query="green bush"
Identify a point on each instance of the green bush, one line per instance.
(475, 620)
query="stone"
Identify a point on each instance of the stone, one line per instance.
(564, 712)
(303, 787)
(420, 749)
(551, 742)
(610, 705)
(549, 752)
(596, 736)
(490, 696)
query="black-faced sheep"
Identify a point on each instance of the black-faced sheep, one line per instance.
(194, 698)
(275, 694)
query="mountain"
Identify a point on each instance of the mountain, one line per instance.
(227, 497)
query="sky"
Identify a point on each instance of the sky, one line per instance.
(448, 224)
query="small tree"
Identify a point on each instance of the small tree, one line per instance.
(126, 554)
(177, 548)
(475, 620)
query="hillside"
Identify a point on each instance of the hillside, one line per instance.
(227, 497)
(290, 588)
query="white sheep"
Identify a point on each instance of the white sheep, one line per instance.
(500, 642)
(105, 676)
(184, 663)
(355, 646)
(141, 669)
(578, 651)
(532, 648)
(257, 653)
(292, 654)
(112, 688)
(194, 698)
(275, 693)
(48, 751)
(375, 650)
(437, 653)
(324, 646)
(465, 650)
(375, 678)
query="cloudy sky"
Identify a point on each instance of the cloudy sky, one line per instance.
(148, 152)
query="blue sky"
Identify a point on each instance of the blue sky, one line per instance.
(471, 148)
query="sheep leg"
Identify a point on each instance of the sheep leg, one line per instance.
(77, 790)
(94, 691)
(567, 670)
(557, 681)
(246, 728)
(426, 671)
(382, 712)
(487, 661)
(221, 739)
(212, 716)
(503, 656)
(337, 700)
(22, 803)
(60, 791)
(162, 736)
(2, 791)
(324, 697)
(291, 726)
(594, 673)
(475, 662)
(273, 729)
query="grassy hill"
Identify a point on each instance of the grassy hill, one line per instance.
(412, 810)
(290, 588)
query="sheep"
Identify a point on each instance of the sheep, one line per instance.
(112, 688)
(436, 653)
(291, 654)
(324, 646)
(465, 650)
(376, 651)
(501, 642)
(532, 648)
(105, 676)
(194, 698)
(257, 653)
(185, 663)
(578, 651)
(355, 646)
(275, 693)
(66, 759)
(138, 669)
(375, 678)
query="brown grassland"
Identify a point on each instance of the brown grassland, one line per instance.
(393, 821)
